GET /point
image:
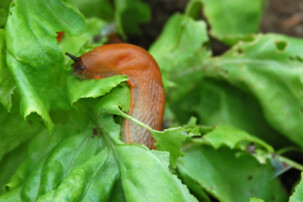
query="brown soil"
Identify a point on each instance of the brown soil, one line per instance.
(284, 16)
(161, 10)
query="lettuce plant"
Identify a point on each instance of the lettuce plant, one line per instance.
(231, 118)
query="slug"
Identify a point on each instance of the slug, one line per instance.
(144, 78)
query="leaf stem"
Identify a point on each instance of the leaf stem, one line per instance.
(289, 162)
(289, 149)
(137, 122)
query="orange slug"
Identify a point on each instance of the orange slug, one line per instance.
(144, 78)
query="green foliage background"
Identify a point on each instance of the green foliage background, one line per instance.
(230, 116)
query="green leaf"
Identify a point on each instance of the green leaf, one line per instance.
(96, 8)
(101, 172)
(297, 196)
(7, 84)
(116, 99)
(174, 48)
(78, 45)
(272, 73)
(50, 151)
(129, 14)
(34, 57)
(14, 130)
(30, 100)
(94, 180)
(92, 88)
(75, 166)
(57, 164)
(4, 6)
(3, 17)
(11, 196)
(41, 144)
(257, 83)
(267, 68)
(211, 101)
(140, 169)
(215, 102)
(195, 188)
(224, 135)
(255, 200)
(180, 46)
(171, 140)
(230, 20)
(78, 167)
(10, 162)
(229, 175)
(233, 138)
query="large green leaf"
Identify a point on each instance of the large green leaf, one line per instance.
(7, 84)
(195, 188)
(96, 8)
(42, 144)
(64, 158)
(4, 5)
(34, 57)
(77, 167)
(129, 14)
(69, 123)
(271, 69)
(143, 168)
(233, 138)
(254, 199)
(94, 180)
(11, 196)
(78, 45)
(229, 175)
(266, 72)
(215, 102)
(14, 130)
(10, 162)
(84, 158)
(297, 196)
(225, 135)
(183, 60)
(230, 20)
(93, 87)
(180, 46)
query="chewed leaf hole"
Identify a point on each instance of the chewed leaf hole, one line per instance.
(296, 58)
(240, 51)
(281, 45)
(6, 188)
(249, 38)
(300, 59)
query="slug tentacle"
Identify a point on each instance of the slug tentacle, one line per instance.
(74, 58)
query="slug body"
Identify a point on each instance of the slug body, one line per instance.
(144, 78)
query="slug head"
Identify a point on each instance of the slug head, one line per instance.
(78, 67)
(109, 60)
